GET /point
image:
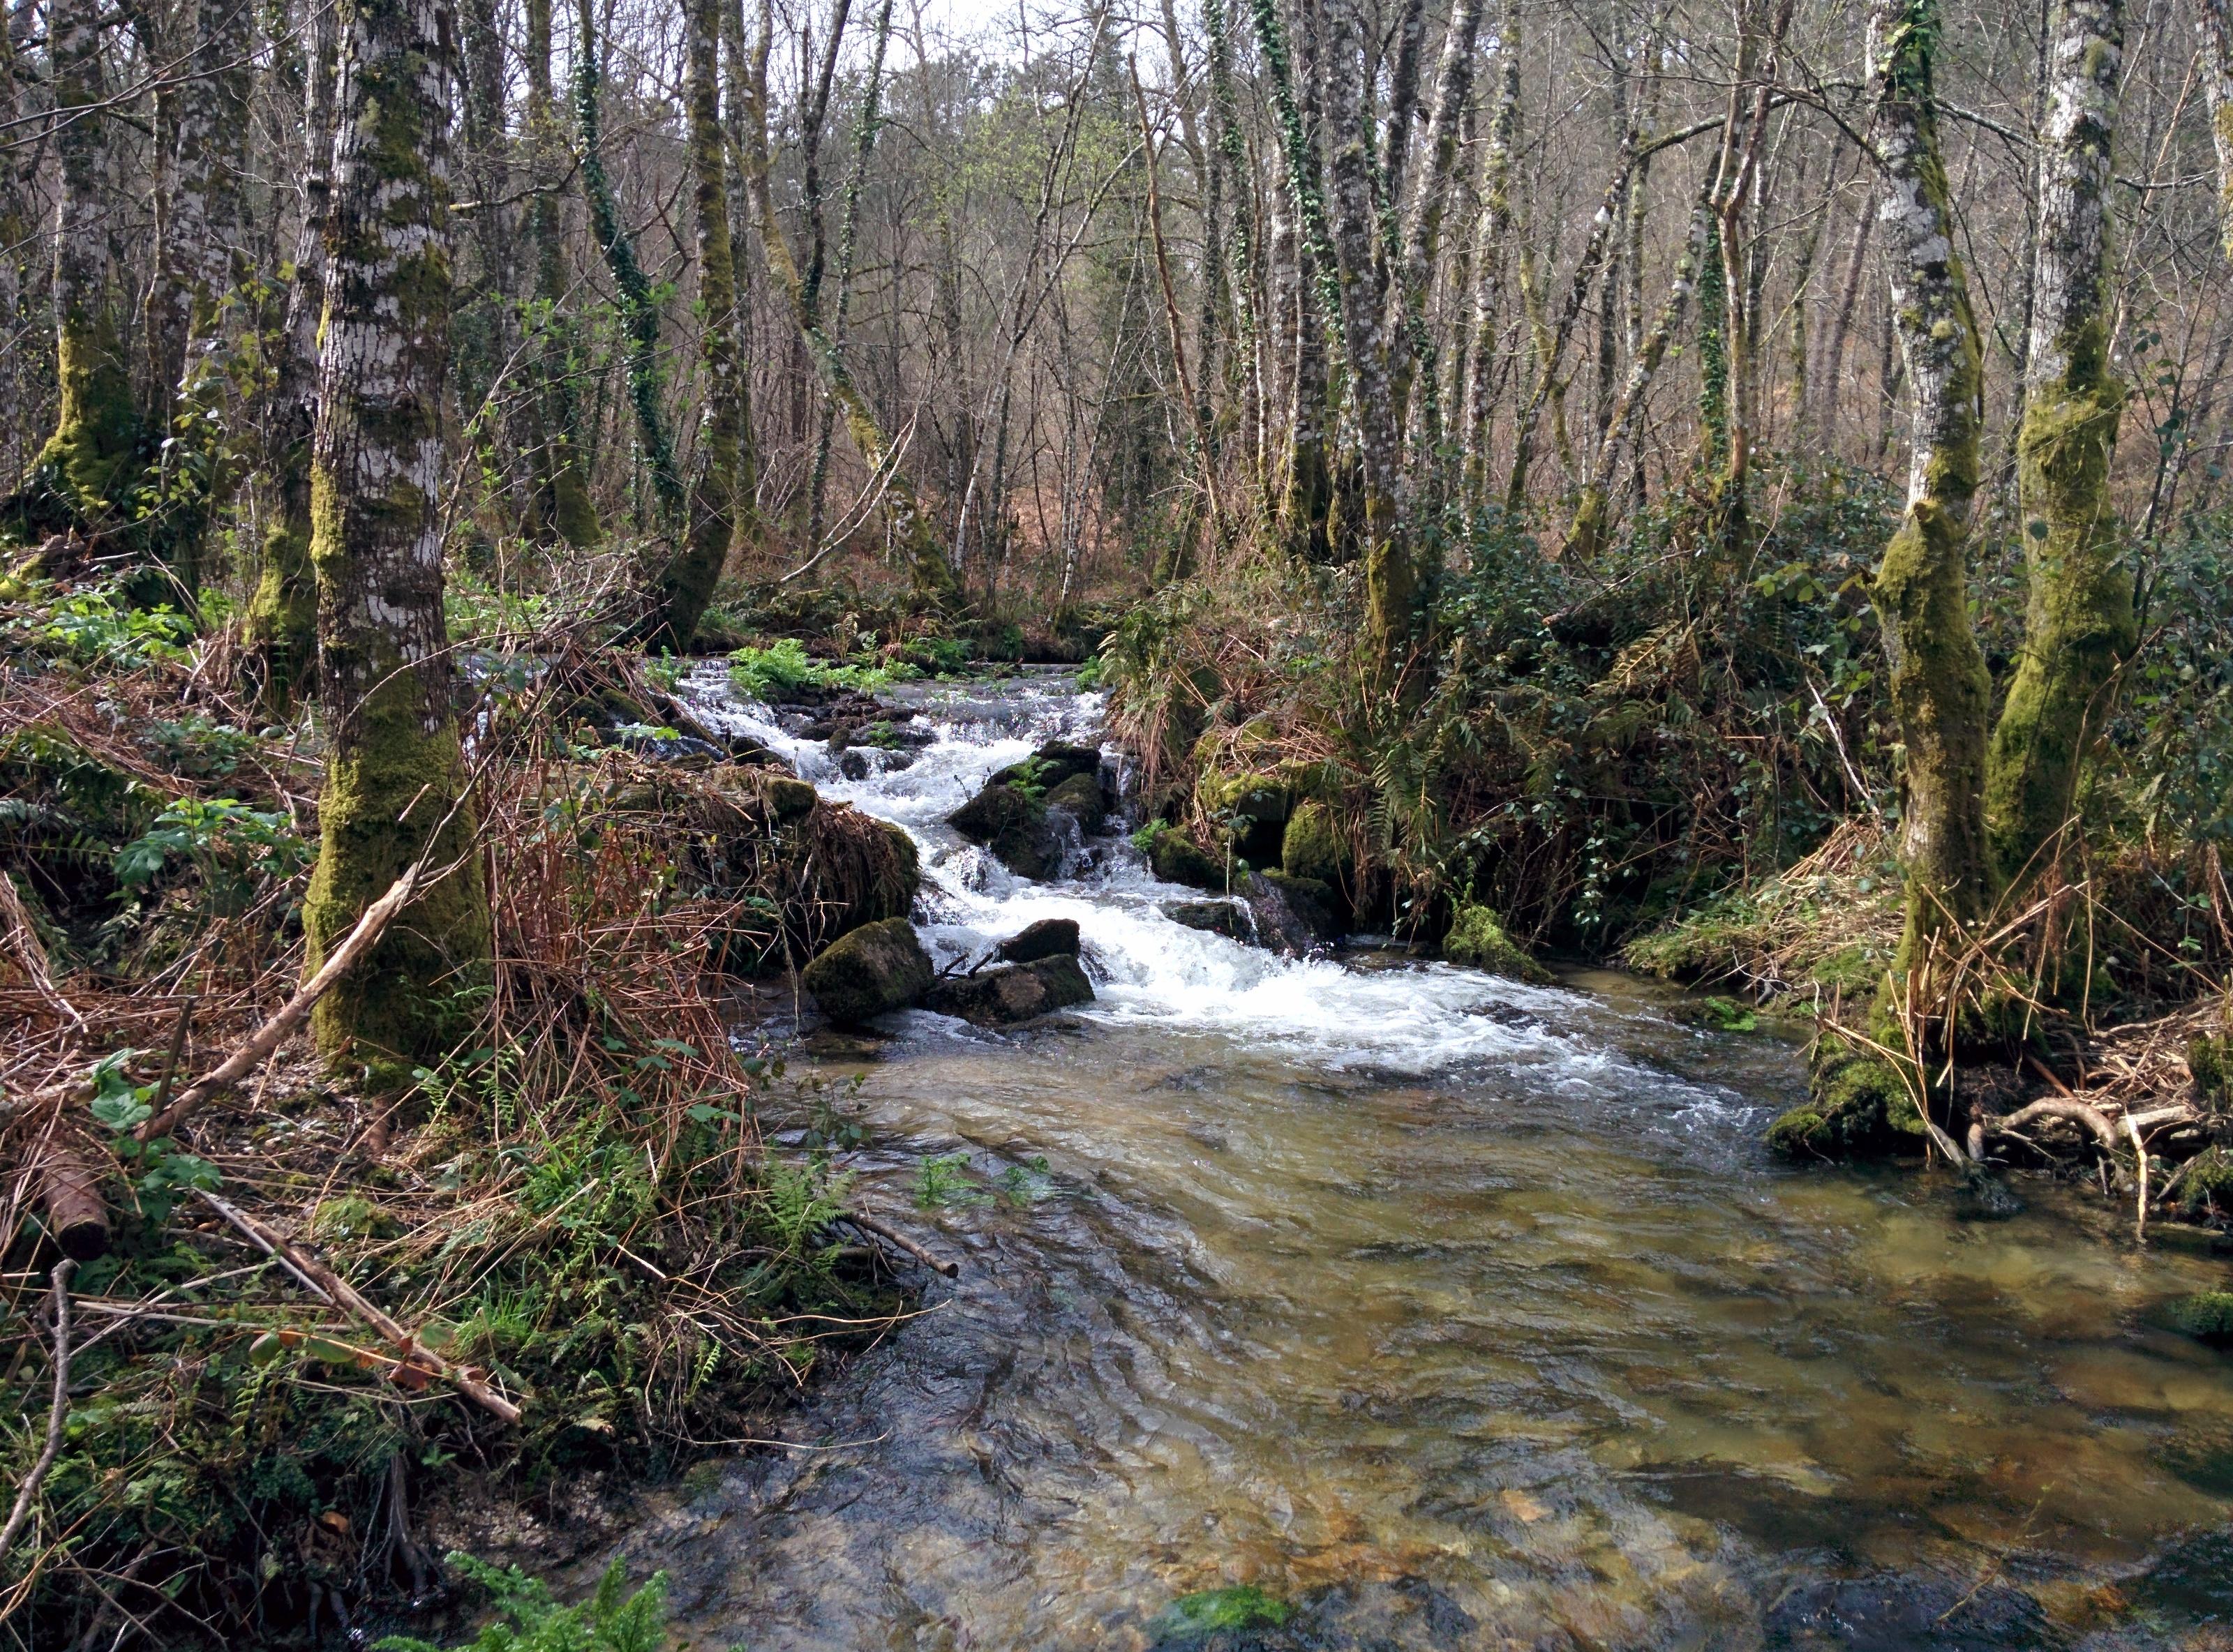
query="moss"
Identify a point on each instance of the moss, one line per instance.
(281, 625)
(2210, 1058)
(1313, 847)
(1860, 1108)
(1476, 939)
(2079, 624)
(1013, 825)
(1241, 1607)
(1080, 796)
(788, 799)
(2206, 1315)
(1175, 858)
(2206, 1184)
(870, 972)
(352, 1218)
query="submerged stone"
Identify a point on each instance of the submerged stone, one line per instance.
(874, 970)
(1048, 938)
(1013, 992)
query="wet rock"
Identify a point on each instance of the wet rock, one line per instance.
(1052, 764)
(1984, 1197)
(872, 971)
(1225, 918)
(1013, 992)
(1013, 824)
(1860, 1108)
(1278, 927)
(1894, 1612)
(1314, 905)
(1175, 858)
(1048, 938)
(1080, 797)
(658, 746)
(859, 762)
(788, 799)
(1477, 941)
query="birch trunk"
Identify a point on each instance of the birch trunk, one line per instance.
(568, 510)
(1939, 689)
(2217, 80)
(2078, 626)
(1493, 240)
(395, 779)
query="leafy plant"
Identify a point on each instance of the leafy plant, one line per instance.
(944, 1182)
(101, 627)
(783, 666)
(232, 845)
(612, 1620)
(1727, 1015)
(121, 1107)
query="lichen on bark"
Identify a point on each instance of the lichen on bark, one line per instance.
(395, 780)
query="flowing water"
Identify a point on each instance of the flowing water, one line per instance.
(1451, 1312)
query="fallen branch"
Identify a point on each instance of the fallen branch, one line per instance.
(2070, 1112)
(414, 1358)
(77, 1218)
(58, 1414)
(870, 1225)
(2140, 1182)
(274, 1032)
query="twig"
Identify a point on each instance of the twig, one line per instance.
(58, 1414)
(2140, 1198)
(268, 1036)
(870, 1225)
(329, 1285)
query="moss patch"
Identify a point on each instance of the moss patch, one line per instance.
(1860, 1109)
(1313, 847)
(1242, 1607)
(1477, 941)
(872, 971)
(1175, 858)
(2207, 1315)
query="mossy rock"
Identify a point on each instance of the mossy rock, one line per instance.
(1175, 858)
(1260, 798)
(871, 971)
(1051, 765)
(1313, 846)
(1080, 797)
(1241, 1608)
(2207, 1315)
(1015, 993)
(1860, 1109)
(1012, 824)
(788, 799)
(1477, 941)
(1212, 917)
(1048, 938)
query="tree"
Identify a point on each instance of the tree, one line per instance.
(396, 786)
(1940, 691)
(78, 475)
(2078, 626)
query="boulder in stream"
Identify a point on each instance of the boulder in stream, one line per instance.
(1032, 814)
(1477, 940)
(870, 972)
(1012, 824)
(1284, 904)
(1048, 938)
(1226, 918)
(1013, 992)
(1175, 858)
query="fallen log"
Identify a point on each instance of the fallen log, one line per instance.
(69, 1192)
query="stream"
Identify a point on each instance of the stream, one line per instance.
(1448, 1311)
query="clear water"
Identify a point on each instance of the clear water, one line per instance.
(1454, 1313)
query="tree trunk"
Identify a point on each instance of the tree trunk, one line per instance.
(1940, 691)
(2078, 626)
(395, 779)
(79, 474)
(1391, 576)
(281, 632)
(1491, 244)
(718, 504)
(567, 508)
(2217, 79)
(1422, 229)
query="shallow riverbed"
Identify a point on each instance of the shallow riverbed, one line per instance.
(1452, 1312)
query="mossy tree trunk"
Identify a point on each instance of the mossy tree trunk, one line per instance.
(1940, 692)
(79, 475)
(2078, 626)
(395, 779)
(1391, 573)
(718, 500)
(569, 511)
(280, 628)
